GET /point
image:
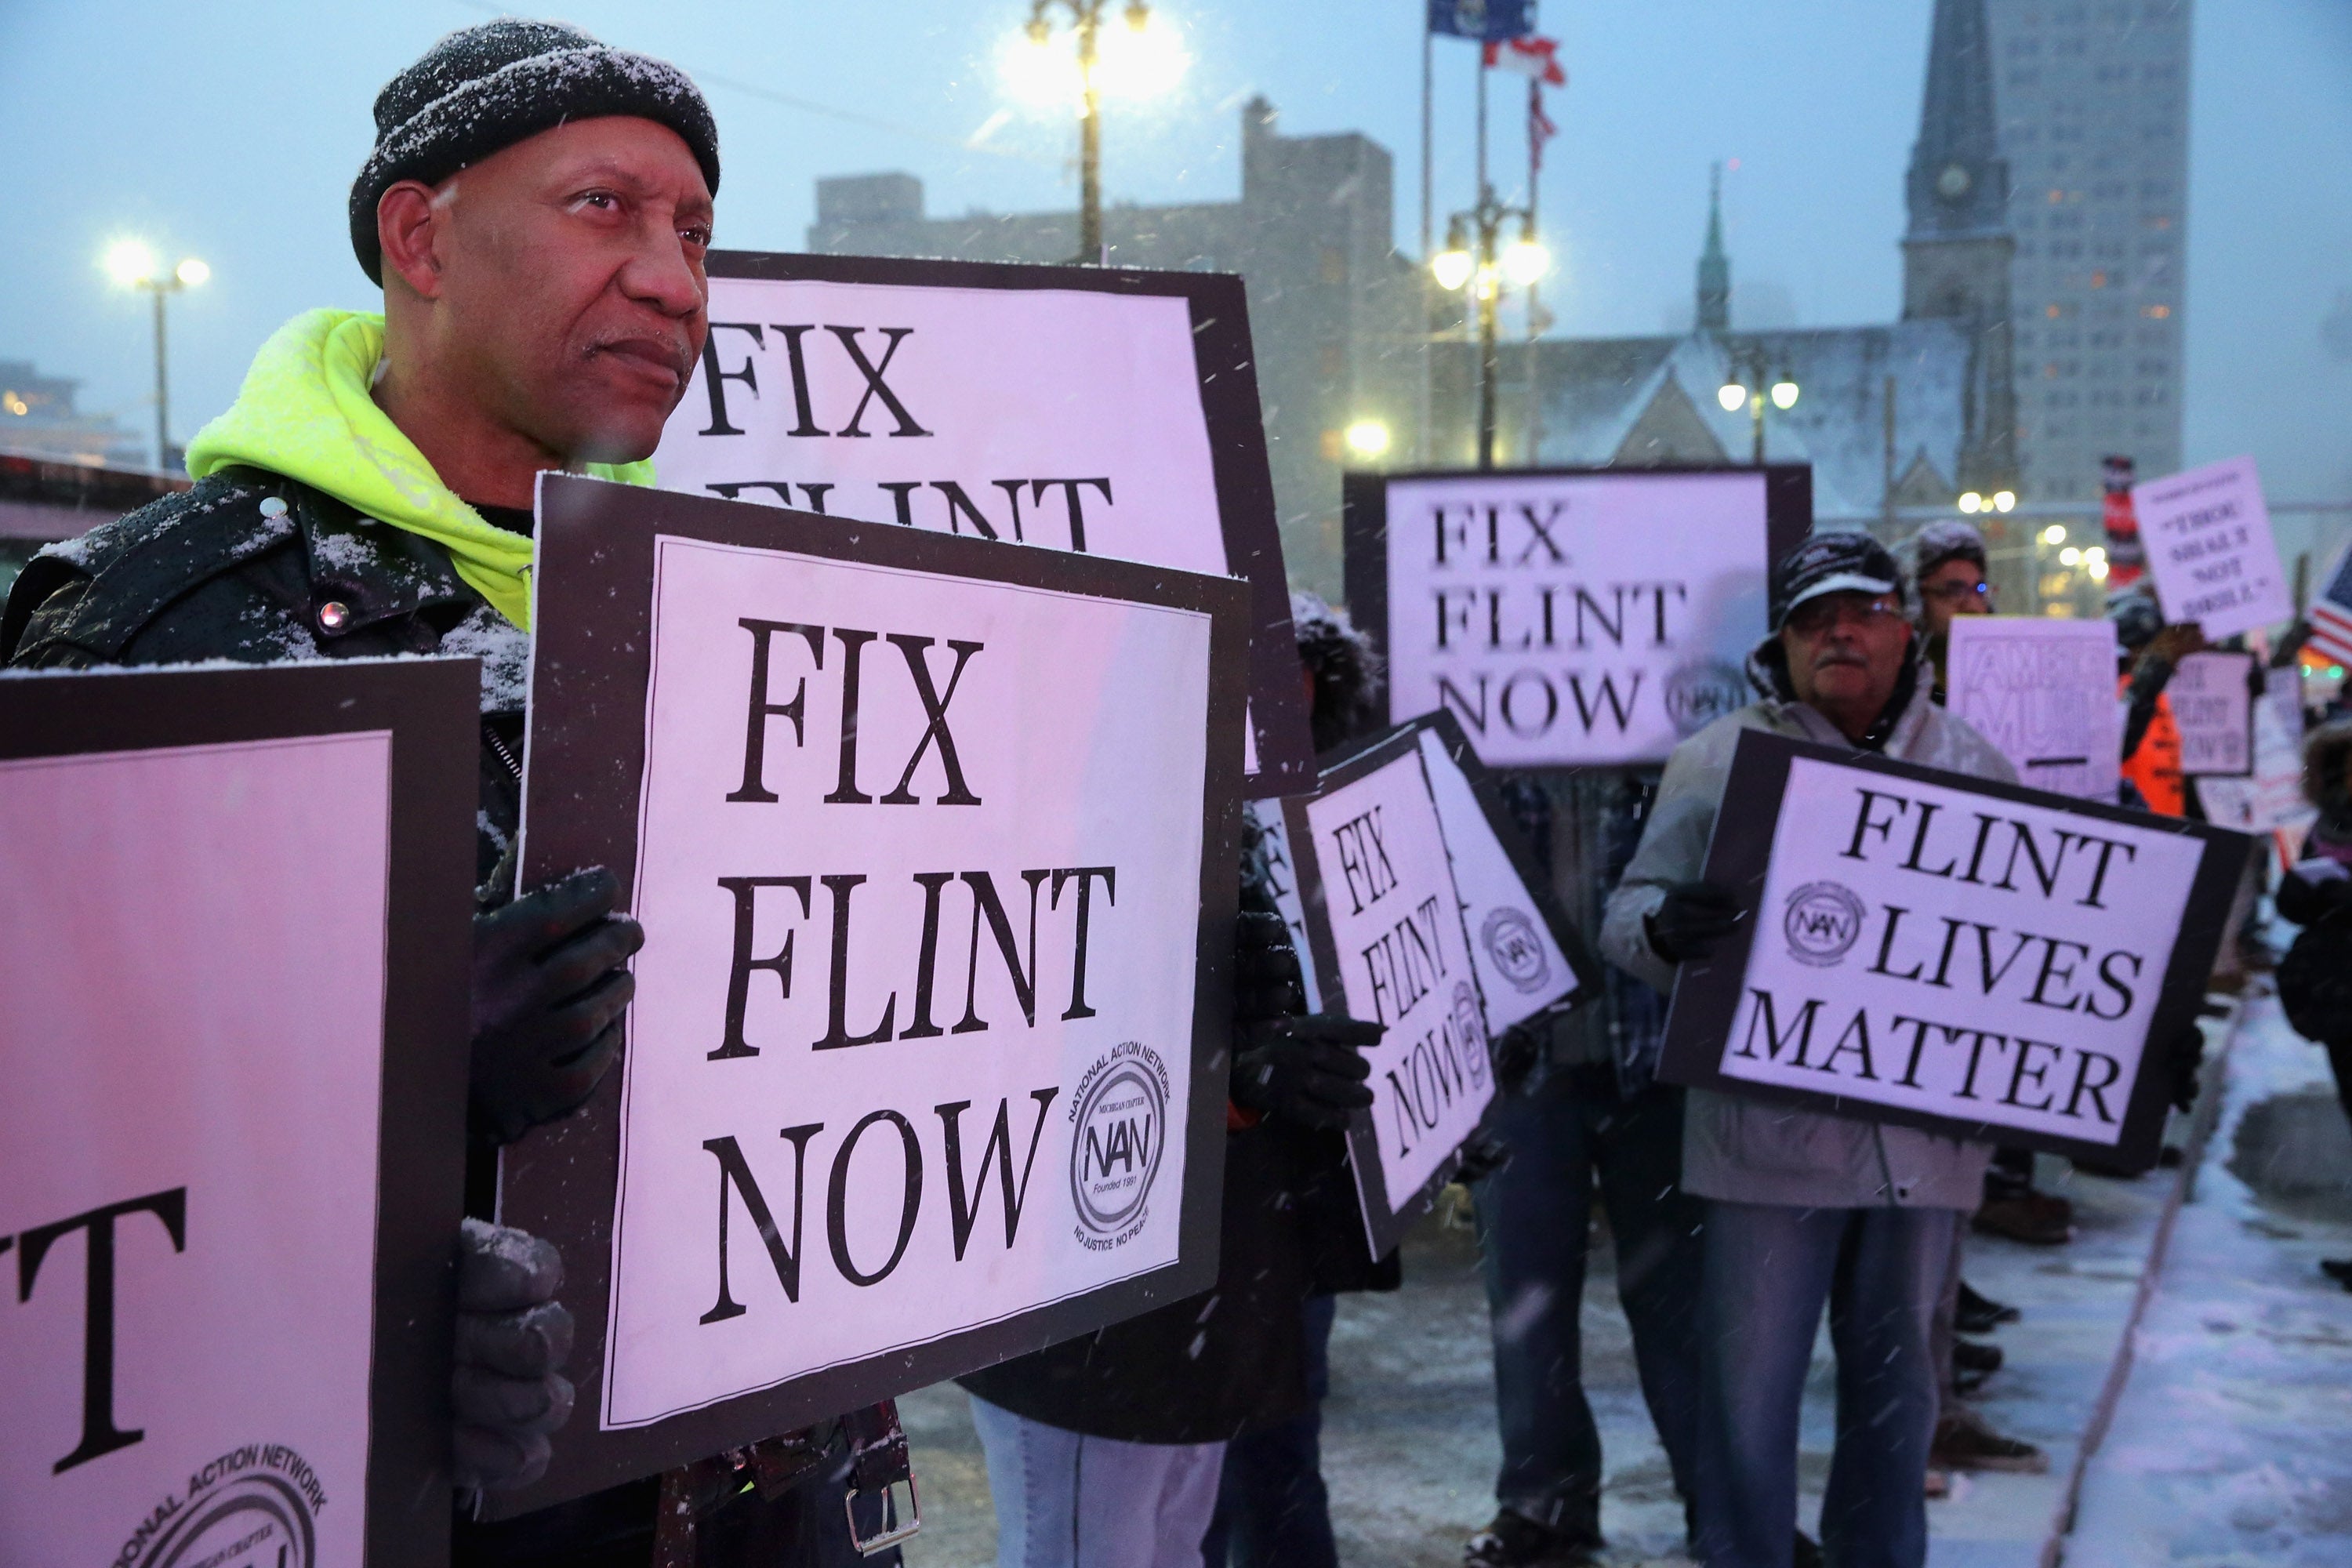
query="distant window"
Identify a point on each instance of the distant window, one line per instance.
(1334, 446)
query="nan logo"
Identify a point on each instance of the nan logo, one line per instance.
(257, 1504)
(1822, 922)
(1702, 691)
(1118, 1131)
(1518, 952)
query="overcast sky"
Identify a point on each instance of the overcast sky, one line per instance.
(232, 132)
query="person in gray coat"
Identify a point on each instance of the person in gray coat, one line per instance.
(1805, 1208)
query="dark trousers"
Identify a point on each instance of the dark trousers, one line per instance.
(1569, 1136)
(1272, 1509)
(1770, 1270)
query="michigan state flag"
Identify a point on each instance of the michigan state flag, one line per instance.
(1491, 20)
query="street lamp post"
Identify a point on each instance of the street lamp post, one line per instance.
(1483, 272)
(133, 265)
(1749, 385)
(1086, 19)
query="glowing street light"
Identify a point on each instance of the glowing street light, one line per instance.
(1367, 438)
(2002, 500)
(1749, 388)
(1732, 395)
(1141, 59)
(1972, 502)
(1784, 394)
(1485, 271)
(132, 264)
(2055, 534)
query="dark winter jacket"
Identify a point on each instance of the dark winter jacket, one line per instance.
(1233, 1359)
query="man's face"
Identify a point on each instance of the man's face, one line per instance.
(1845, 651)
(570, 293)
(1954, 588)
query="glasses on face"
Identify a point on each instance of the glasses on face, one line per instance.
(1814, 616)
(1957, 593)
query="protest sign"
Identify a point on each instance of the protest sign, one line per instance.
(1570, 615)
(2044, 692)
(1979, 958)
(2212, 696)
(1103, 410)
(2270, 799)
(933, 842)
(1384, 921)
(1529, 958)
(232, 1148)
(1282, 883)
(2210, 547)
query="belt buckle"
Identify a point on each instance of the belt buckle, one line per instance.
(892, 1533)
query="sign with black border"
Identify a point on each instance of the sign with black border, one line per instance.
(2074, 874)
(2213, 696)
(239, 938)
(1570, 617)
(1432, 1077)
(623, 578)
(1107, 410)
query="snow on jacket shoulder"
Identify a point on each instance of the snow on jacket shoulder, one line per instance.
(1747, 1151)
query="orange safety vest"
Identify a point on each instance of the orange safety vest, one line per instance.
(2155, 769)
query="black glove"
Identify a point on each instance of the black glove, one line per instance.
(513, 1336)
(548, 989)
(2187, 1060)
(1516, 1052)
(1694, 917)
(1482, 1156)
(1266, 983)
(1305, 1069)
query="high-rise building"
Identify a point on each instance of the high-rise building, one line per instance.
(2092, 99)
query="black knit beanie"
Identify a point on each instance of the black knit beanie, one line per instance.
(483, 90)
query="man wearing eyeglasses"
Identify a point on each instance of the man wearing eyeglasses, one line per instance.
(1947, 568)
(1806, 1209)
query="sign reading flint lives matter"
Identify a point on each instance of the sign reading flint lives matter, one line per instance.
(933, 842)
(1570, 617)
(1105, 411)
(1384, 921)
(2212, 699)
(2044, 692)
(235, 941)
(1979, 958)
(2210, 548)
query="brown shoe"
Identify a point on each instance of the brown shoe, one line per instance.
(1964, 1441)
(2027, 1218)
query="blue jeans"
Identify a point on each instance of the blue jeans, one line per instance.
(1569, 1134)
(1272, 1509)
(1770, 1270)
(1067, 1500)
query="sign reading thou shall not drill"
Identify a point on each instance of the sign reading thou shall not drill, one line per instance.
(1570, 617)
(934, 846)
(1100, 410)
(1384, 923)
(1983, 960)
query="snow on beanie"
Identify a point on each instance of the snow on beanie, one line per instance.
(482, 90)
(1845, 560)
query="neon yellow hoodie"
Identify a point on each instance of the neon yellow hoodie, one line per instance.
(305, 411)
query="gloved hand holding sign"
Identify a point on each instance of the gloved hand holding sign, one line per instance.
(512, 1337)
(1694, 919)
(549, 990)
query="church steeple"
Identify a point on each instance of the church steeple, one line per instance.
(1714, 266)
(1959, 183)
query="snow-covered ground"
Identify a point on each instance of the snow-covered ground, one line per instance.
(2231, 1442)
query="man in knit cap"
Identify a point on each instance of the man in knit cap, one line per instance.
(537, 208)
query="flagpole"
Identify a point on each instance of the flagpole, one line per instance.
(1482, 122)
(1535, 167)
(1428, 54)
(1420, 420)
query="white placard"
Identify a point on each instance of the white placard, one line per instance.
(1946, 952)
(2210, 549)
(194, 945)
(2272, 800)
(1282, 876)
(2212, 705)
(2044, 692)
(1521, 970)
(1402, 961)
(1568, 619)
(897, 944)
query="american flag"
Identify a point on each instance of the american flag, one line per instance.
(2331, 611)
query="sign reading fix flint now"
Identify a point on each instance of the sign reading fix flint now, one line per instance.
(232, 1143)
(1384, 922)
(1983, 960)
(1107, 411)
(1570, 617)
(933, 843)
(2213, 698)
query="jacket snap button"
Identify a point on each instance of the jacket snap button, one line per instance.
(272, 507)
(333, 615)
